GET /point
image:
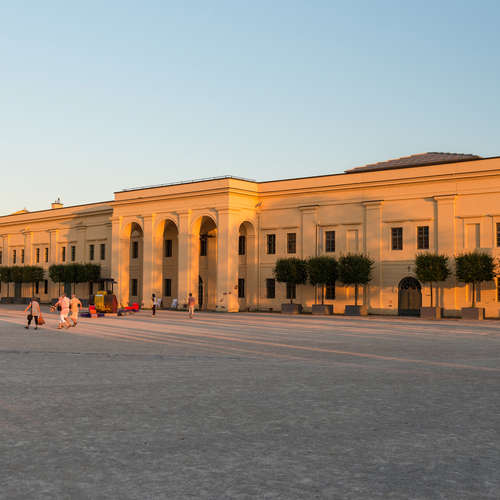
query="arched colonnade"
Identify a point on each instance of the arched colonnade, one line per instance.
(211, 254)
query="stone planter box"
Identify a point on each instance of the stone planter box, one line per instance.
(473, 313)
(291, 308)
(356, 311)
(431, 312)
(322, 309)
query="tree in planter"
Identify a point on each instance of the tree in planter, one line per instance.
(474, 268)
(5, 277)
(16, 274)
(57, 274)
(291, 271)
(431, 268)
(355, 269)
(32, 274)
(322, 271)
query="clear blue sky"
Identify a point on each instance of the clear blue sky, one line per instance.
(97, 96)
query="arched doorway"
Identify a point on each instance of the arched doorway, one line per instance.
(247, 275)
(204, 267)
(409, 297)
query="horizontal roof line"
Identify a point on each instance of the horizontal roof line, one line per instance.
(190, 181)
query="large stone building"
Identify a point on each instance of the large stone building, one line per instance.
(219, 238)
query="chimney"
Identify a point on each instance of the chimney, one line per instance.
(57, 204)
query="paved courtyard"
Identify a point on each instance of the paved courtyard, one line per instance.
(249, 406)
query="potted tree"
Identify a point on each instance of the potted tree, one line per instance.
(32, 274)
(17, 277)
(322, 271)
(5, 278)
(474, 268)
(431, 268)
(293, 272)
(57, 275)
(355, 269)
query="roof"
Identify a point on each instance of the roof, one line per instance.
(417, 160)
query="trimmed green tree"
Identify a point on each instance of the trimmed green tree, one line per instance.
(322, 271)
(291, 271)
(431, 268)
(5, 277)
(57, 274)
(474, 268)
(32, 274)
(355, 269)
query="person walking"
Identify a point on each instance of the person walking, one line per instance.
(191, 303)
(153, 298)
(34, 312)
(63, 303)
(74, 306)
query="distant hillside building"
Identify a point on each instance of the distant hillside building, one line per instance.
(219, 238)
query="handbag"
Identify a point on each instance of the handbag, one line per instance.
(41, 321)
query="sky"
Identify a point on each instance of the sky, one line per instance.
(98, 96)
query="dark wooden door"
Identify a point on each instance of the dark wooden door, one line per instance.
(409, 297)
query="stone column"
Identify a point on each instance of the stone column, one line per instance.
(148, 263)
(227, 260)
(446, 243)
(372, 246)
(309, 248)
(81, 239)
(119, 266)
(27, 248)
(185, 260)
(252, 271)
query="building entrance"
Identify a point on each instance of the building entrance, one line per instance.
(409, 297)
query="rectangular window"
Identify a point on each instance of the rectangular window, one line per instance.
(1, 256)
(330, 291)
(241, 288)
(330, 241)
(498, 234)
(270, 288)
(45, 287)
(423, 237)
(91, 252)
(242, 245)
(63, 254)
(167, 287)
(168, 248)
(291, 242)
(46, 254)
(14, 256)
(37, 287)
(103, 251)
(397, 238)
(135, 249)
(22, 256)
(290, 290)
(133, 288)
(203, 245)
(37, 255)
(73, 253)
(271, 244)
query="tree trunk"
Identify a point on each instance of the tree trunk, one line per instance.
(432, 302)
(356, 294)
(473, 294)
(322, 294)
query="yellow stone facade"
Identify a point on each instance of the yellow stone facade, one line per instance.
(220, 233)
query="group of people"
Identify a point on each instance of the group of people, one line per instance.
(68, 312)
(157, 303)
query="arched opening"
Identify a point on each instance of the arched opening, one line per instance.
(409, 297)
(136, 254)
(247, 273)
(170, 263)
(205, 248)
